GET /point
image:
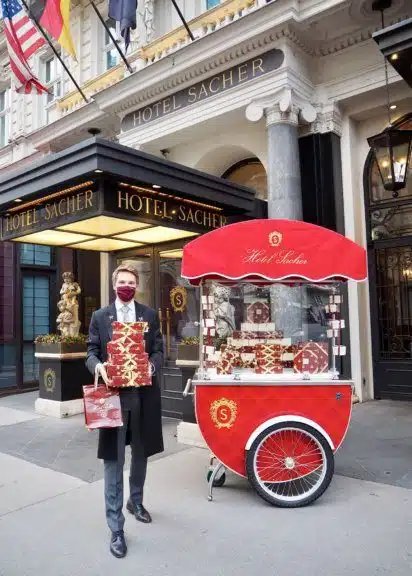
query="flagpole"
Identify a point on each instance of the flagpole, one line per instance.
(112, 38)
(182, 18)
(54, 50)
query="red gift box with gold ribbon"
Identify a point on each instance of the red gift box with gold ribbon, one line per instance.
(119, 347)
(118, 369)
(128, 338)
(129, 328)
(121, 359)
(130, 372)
(135, 379)
(128, 362)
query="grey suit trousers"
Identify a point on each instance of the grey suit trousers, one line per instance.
(113, 469)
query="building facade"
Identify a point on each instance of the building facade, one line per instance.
(277, 95)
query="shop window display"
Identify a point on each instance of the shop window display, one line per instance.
(242, 338)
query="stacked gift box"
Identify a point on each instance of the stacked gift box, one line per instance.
(269, 359)
(128, 362)
(311, 358)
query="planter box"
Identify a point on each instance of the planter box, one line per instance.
(188, 352)
(60, 348)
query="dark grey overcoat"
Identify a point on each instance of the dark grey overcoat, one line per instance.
(100, 333)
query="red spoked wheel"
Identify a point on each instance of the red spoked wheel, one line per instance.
(290, 464)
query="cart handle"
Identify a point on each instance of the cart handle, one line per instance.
(186, 391)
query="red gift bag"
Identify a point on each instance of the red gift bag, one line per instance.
(101, 407)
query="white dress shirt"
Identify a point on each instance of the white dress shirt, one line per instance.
(129, 308)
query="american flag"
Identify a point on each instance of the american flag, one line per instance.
(23, 39)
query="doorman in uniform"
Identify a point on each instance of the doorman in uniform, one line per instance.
(141, 407)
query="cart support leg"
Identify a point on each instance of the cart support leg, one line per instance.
(219, 467)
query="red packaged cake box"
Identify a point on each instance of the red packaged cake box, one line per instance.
(128, 363)
(118, 347)
(129, 332)
(120, 362)
(275, 367)
(311, 357)
(129, 328)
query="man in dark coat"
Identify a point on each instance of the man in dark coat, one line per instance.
(141, 407)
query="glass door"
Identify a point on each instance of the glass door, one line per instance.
(178, 302)
(36, 320)
(162, 288)
(143, 261)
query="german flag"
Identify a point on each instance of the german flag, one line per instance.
(54, 17)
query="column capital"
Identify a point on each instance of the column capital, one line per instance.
(329, 119)
(275, 115)
(289, 109)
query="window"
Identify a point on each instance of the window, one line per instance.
(8, 344)
(35, 254)
(111, 55)
(250, 173)
(4, 117)
(212, 3)
(53, 81)
(36, 320)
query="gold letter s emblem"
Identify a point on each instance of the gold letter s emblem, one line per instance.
(223, 413)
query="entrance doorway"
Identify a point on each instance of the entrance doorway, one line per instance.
(389, 230)
(177, 302)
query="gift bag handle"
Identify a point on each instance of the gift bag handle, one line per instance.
(96, 379)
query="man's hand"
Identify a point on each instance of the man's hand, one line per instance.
(101, 371)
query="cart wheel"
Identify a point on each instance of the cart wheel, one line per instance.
(290, 464)
(219, 481)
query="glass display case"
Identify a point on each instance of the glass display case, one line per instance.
(263, 333)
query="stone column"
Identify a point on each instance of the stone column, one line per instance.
(284, 201)
(284, 190)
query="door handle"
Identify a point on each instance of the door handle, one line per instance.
(161, 320)
(168, 335)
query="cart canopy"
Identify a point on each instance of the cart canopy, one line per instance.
(266, 251)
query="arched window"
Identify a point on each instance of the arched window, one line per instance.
(249, 172)
(388, 217)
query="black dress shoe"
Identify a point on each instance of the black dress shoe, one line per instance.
(118, 544)
(139, 511)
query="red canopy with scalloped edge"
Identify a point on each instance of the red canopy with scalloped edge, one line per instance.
(273, 251)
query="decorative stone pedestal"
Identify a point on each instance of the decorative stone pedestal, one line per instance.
(60, 384)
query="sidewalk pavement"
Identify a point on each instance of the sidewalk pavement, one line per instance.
(52, 523)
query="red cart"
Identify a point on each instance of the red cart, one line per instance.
(270, 401)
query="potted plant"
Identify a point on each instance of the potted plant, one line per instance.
(58, 344)
(188, 349)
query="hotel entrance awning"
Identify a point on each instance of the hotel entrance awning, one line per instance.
(99, 195)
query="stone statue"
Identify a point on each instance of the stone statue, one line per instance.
(148, 19)
(224, 312)
(68, 319)
(64, 319)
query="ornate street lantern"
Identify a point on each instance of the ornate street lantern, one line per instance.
(392, 147)
(392, 150)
